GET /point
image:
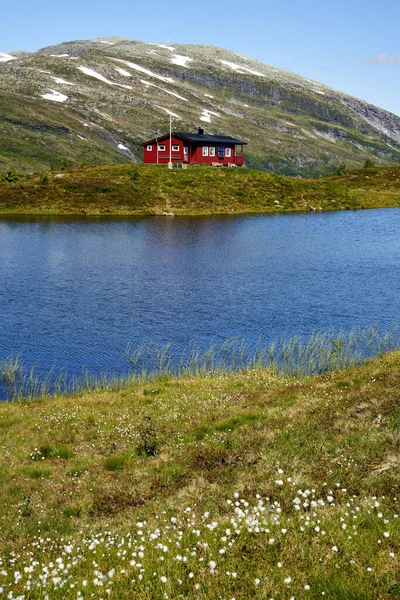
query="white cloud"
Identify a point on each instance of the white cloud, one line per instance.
(382, 58)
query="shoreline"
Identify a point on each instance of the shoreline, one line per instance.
(94, 213)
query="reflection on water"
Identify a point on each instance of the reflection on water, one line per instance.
(75, 291)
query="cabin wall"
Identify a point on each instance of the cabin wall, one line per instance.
(150, 156)
(197, 155)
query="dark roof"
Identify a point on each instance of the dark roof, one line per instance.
(205, 137)
(201, 137)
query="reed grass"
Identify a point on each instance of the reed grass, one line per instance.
(298, 356)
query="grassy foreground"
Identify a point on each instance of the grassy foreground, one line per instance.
(244, 486)
(150, 190)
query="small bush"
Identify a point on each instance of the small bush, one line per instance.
(369, 164)
(11, 176)
(134, 175)
(26, 507)
(149, 443)
(340, 169)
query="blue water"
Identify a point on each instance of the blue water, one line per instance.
(75, 292)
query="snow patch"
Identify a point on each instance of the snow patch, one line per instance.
(81, 137)
(143, 70)
(123, 72)
(147, 83)
(96, 75)
(170, 48)
(122, 147)
(55, 96)
(206, 115)
(108, 43)
(168, 111)
(59, 80)
(4, 57)
(181, 60)
(239, 68)
(92, 73)
(59, 55)
(208, 96)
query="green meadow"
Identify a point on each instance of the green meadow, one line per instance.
(111, 189)
(211, 483)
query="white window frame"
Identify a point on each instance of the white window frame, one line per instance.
(161, 148)
(186, 150)
(205, 151)
(228, 152)
(149, 148)
(175, 148)
(212, 150)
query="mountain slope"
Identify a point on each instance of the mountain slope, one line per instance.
(98, 100)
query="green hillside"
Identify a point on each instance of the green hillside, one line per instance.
(98, 100)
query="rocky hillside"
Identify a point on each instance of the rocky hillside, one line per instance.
(98, 100)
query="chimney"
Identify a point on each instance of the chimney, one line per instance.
(201, 131)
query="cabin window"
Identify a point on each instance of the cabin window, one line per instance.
(228, 152)
(149, 148)
(186, 150)
(161, 148)
(212, 151)
(205, 150)
(175, 148)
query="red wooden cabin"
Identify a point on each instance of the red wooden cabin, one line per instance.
(194, 148)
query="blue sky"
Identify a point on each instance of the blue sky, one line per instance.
(352, 46)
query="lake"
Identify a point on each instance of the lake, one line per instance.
(76, 291)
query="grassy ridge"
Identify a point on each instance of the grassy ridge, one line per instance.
(149, 190)
(247, 485)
